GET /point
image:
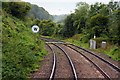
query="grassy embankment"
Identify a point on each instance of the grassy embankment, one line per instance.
(111, 50)
(22, 50)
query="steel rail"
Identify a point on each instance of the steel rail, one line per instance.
(109, 63)
(101, 71)
(70, 61)
(54, 64)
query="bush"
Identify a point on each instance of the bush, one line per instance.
(22, 49)
(99, 41)
(85, 38)
(17, 9)
(115, 53)
(47, 27)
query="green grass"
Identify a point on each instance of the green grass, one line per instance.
(76, 40)
(112, 51)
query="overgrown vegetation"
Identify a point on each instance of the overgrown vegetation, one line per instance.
(111, 50)
(47, 27)
(101, 20)
(22, 50)
(78, 40)
(18, 9)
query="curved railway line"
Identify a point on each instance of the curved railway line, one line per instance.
(98, 68)
(117, 69)
(54, 64)
(52, 75)
(112, 72)
(70, 61)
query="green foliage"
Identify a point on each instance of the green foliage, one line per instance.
(17, 9)
(47, 27)
(99, 41)
(85, 38)
(113, 52)
(98, 25)
(59, 30)
(69, 29)
(82, 10)
(22, 50)
(101, 20)
(114, 28)
(21, 9)
(78, 40)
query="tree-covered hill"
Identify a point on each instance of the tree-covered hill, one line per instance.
(35, 11)
(39, 13)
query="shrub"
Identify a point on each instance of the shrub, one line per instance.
(99, 41)
(17, 9)
(22, 49)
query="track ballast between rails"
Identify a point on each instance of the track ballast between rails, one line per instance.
(54, 63)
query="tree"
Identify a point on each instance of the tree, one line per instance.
(17, 9)
(47, 27)
(69, 29)
(114, 28)
(114, 22)
(99, 24)
(81, 15)
(100, 19)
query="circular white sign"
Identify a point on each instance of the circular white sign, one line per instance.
(35, 28)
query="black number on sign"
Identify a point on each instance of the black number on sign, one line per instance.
(35, 29)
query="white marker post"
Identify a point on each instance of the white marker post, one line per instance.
(103, 44)
(94, 36)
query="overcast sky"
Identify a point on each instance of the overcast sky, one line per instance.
(57, 7)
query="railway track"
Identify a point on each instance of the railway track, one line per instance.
(98, 68)
(90, 60)
(114, 70)
(109, 63)
(70, 61)
(53, 71)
